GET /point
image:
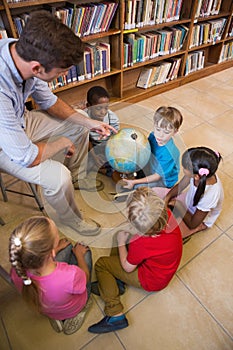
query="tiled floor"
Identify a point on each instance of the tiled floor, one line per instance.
(196, 310)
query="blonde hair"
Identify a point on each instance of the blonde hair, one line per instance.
(146, 211)
(168, 118)
(30, 245)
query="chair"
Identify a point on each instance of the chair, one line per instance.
(7, 188)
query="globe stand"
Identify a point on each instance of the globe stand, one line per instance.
(117, 176)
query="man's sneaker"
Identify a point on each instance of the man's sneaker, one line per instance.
(71, 325)
(87, 227)
(109, 324)
(88, 184)
(57, 325)
(95, 287)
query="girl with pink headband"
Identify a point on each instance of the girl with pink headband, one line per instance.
(198, 208)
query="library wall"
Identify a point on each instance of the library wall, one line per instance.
(135, 48)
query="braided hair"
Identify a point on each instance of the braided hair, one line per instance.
(146, 211)
(29, 246)
(204, 162)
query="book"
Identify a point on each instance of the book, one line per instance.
(139, 11)
(80, 69)
(156, 74)
(93, 10)
(101, 17)
(113, 11)
(73, 73)
(144, 77)
(107, 47)
(126, 48)
(95, 59)
(87, 65)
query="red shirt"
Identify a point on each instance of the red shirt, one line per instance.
(157, 257)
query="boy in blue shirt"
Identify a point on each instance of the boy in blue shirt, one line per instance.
(164, 164)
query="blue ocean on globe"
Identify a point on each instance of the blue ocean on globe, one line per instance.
(128, 151)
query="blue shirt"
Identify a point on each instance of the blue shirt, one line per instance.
(165, 160)
(14, 92)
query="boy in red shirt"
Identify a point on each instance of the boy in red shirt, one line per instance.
(149, 261)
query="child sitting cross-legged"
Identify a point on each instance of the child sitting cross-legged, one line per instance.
(44, 271)
(199, 207)
(147, 260)
(164, 165)
(98, 109)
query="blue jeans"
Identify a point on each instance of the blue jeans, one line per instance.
(66, 255)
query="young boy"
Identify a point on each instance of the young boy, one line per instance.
(164, 165)
(98, 109)
(151, 261)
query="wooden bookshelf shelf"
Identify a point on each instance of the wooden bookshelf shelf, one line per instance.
(132, 20)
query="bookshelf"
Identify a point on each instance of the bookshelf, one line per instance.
(141, 35)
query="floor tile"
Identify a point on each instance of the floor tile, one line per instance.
(173, 319)
(207, 135)
(210, 281)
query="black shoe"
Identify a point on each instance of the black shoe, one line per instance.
(108, 324)
(95, 287)
(186, 239)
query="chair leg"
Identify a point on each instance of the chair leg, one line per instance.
(5, 275)
(2, 222)
(35, 193)
(3, 189)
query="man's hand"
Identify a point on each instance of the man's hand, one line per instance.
(103, 129)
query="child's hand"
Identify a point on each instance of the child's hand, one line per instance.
(122, 237)
(63, 243)
(69, 151)
(128, 184)
(80, 250)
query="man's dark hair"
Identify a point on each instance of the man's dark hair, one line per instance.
(95, 93)
(50, 42)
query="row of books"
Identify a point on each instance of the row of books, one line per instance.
(226, 52)
(208, 8)
(82, 19)
(207, 32)
(96, 61)
(86, 19)
(194, 61)
(159, 73)
(143, 47)
(140, 13)
(20, 22)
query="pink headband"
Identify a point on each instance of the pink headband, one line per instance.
(203, 171)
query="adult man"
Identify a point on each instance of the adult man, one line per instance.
(29, 140)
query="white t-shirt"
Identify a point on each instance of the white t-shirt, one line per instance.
(211, 201)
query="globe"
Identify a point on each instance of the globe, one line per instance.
(128, 151)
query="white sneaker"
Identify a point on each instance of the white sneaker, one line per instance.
(71, 325)
(88, 184)
(87, 227)
(57, 325)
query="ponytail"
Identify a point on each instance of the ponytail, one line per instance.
(30, 244)
(204, 162)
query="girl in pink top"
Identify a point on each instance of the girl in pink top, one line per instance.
(55, 288)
